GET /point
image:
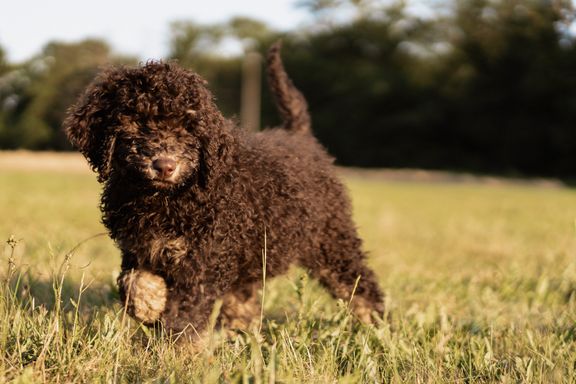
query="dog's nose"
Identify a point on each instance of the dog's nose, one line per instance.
(164, 166)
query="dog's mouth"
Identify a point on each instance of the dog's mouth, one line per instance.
(164, 171)
(159, 171)
(162, 184)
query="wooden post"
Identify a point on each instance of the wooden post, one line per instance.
(251, 83)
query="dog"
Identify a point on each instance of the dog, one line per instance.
(193, 202)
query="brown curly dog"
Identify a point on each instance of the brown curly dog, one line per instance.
(191, 200)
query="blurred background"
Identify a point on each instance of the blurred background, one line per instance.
(485, 86)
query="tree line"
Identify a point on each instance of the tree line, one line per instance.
(481, 85)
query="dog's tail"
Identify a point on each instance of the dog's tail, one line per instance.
(289, 101)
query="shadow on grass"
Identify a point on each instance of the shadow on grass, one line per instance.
(61, 287)
(67, 293)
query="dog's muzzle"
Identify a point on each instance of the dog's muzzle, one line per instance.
(165, 169)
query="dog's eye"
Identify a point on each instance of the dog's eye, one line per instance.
(131, 145)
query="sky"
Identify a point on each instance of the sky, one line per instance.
(139, 28)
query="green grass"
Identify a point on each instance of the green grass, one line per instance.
(480, 283)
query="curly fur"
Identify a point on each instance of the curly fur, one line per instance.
(200, 225)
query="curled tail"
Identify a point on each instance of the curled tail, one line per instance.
(289, 101)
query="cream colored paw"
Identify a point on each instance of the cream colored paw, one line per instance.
(364, 310)
(146, 295)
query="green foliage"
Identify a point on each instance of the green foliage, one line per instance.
(3, 61)
(367, 85)
(36, 94)
(489, 87)
(480, 283)
(197, 47)
(249, 31)
(484, 85)
(510, 71)
(191, 41)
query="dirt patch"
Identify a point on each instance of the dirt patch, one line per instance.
(43, 161)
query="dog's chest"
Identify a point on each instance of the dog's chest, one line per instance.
(154, 238)
(161, 234)
(155, 249)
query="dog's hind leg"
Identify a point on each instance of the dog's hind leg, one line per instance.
(340, 267)
(241, 307)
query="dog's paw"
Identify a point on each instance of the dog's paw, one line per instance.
(146, 295)
(367, 311)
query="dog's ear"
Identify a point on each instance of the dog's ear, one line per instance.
(89, 129)
(215, 151)
(211, 128)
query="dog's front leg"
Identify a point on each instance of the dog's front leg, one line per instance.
(143, 293)
(187, 310)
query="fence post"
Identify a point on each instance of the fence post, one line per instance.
(251, 83)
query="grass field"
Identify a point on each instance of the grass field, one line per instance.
(480, 283)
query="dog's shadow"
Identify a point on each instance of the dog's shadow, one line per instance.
(31, 290)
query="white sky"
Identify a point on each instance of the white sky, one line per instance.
(133, 27)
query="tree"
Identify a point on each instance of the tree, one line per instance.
(364, 84)
(36, 94)
(487, 87)
(198, 47)
(510, 88)
(3, 61)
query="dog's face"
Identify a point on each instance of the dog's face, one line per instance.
(162, 154)
(155, 125)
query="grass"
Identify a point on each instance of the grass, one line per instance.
(480, 283)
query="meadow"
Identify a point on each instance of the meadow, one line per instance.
(480, 283)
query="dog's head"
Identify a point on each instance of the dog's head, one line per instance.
(156, 124)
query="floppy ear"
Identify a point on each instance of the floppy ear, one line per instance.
(213, 131)
(216, 144)
(90, 130)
